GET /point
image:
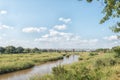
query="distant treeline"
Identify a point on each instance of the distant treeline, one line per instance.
(104, 50)
(12, 49)
(107, 50)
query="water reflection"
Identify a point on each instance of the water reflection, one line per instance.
(38, 70)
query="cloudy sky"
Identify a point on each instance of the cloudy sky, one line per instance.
(54, 24)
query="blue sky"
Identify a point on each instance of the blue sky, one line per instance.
(54, 24)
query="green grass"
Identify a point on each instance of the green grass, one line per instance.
(90, 67)
(15, 62)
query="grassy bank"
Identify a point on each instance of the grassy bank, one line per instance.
(92, 66)
(15, 62)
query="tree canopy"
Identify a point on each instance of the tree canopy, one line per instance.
(111, 10)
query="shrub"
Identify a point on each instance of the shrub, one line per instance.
(68, 55)
(93, 54)
(117, 51)
(59, 70)
(104, 62)
(80, 58)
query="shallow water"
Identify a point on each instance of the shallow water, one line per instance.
(38, 70)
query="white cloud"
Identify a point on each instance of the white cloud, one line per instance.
(59, 39)
(60, 27)
(54, 33)
(55, 36)
(3, 12)
(5, 27)
(111, 38)
(34, 29)
(87, 41)
(65, 20)
(45, 36)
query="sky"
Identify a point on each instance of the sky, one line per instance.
(56, 24)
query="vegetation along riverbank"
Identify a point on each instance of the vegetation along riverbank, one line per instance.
(91, 66)
(15, 62)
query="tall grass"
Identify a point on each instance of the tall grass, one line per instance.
(90, 67)
(14, 62)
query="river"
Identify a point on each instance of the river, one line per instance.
(38, 70)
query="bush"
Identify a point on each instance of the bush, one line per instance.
(80, 58)
(104, 62)
(93, 54)
(59, 70)
(117, 51)
(68, 55)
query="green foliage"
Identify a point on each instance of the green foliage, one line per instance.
(60, 73)
(10, 49)
(111, 10)
(89, 0)
(19, 50)
(117, 50)
(116, 28)
(99, 67)
(104, 50)
(27, 50)
(2, 49)
(59, 70)
(35, 50)
(46, 77)
(80, 58)
(68, 54)
(104, 62)
(93, 53)
(15, 66)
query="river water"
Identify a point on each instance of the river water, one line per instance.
(38, 70)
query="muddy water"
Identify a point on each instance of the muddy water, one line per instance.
(38, 70)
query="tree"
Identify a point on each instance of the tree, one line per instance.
(27, 50)
(35, 50)
(44, 50)
(111, 10)
(10, 49)
(103, 50)
(116, 28)
(19, 50)
(2, 49)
